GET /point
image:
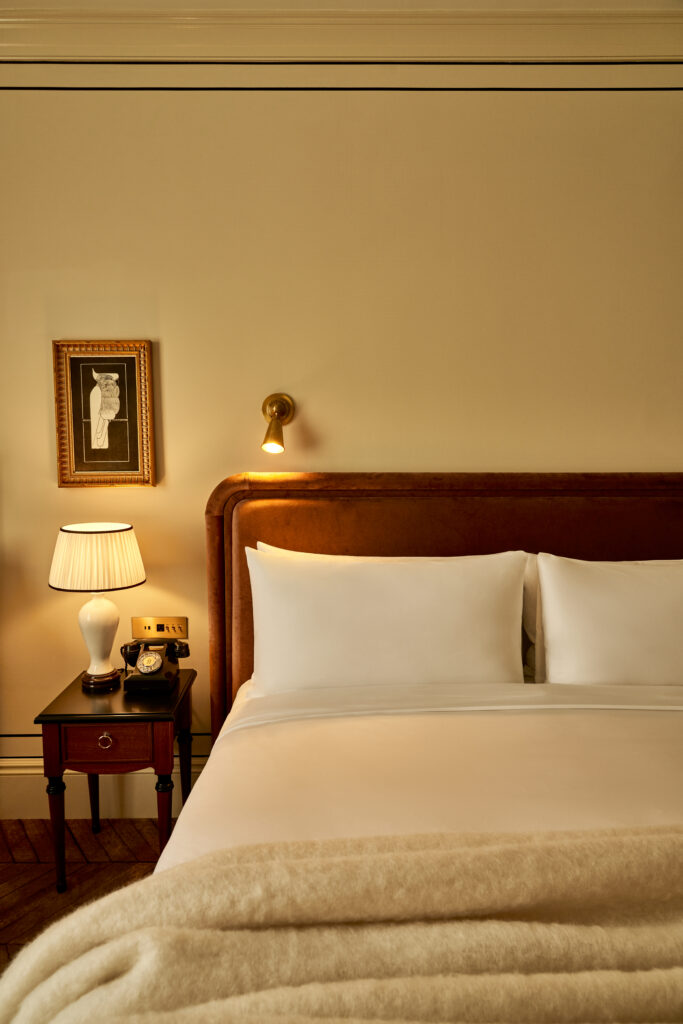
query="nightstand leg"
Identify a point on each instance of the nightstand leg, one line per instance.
(94, 794)
(185, 758)
(164, 788)
(55, 792)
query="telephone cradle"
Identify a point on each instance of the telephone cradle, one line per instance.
(152, 666)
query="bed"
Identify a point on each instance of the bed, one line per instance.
(380, 835)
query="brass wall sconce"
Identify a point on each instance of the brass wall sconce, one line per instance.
(278, 409)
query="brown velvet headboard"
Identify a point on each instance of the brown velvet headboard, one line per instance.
(584, 515)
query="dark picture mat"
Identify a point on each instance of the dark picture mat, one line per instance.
(122, 455)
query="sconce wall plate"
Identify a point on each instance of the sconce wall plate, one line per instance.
(279, 405)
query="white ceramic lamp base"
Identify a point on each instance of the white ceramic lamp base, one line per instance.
(99, 620)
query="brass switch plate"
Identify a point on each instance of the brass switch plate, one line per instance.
(159, 627)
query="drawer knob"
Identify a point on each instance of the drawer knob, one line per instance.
(105, 741)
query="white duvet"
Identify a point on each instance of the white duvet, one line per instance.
(357, 761)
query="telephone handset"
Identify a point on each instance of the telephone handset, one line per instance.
(151, 657)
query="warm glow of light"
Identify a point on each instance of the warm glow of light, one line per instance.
(272, 447)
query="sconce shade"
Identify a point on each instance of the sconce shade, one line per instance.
(95, 557)
(278, 409)
(274, 441)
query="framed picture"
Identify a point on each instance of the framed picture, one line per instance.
(103, 406)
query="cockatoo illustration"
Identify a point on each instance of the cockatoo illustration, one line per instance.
(104, 405)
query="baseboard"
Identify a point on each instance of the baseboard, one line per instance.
(22, 791)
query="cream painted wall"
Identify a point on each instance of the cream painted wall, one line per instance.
(442, 280)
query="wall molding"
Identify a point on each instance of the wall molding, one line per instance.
(321, 77)
(11, 766)
(131, 795)
(29, 765)
(126, 34)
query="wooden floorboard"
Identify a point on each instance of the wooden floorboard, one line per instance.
(138, 846)
(40, 838)
(88, 842)
(5, 852)
(72, 848)
(117, 850)
(97, 863)
(147, 827)
(13, 875)
(17, 841)
(14, 904)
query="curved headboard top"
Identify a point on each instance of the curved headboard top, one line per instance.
(610, 516)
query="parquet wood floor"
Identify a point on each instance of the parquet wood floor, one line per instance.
(126, 849)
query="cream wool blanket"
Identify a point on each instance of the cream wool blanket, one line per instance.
(574, 926)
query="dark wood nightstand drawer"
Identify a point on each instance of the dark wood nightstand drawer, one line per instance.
(102, 743)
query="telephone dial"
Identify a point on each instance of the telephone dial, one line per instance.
(151, 657)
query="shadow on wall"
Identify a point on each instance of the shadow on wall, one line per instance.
(19, 594)
(308, 439)
(158, 410)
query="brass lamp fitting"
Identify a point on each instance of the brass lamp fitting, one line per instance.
(278, 409)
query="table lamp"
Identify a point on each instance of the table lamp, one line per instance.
(94, 558)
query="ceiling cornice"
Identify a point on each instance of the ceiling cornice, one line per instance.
(81, 33)
(315, 16)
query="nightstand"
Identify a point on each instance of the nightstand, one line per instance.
(112, 733)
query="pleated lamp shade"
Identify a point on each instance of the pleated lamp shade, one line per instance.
(94, 557)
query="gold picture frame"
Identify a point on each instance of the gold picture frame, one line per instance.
(103, 412)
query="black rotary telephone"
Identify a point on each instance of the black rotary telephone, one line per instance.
(151, 657)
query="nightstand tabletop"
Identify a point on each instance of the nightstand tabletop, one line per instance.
(76, 706)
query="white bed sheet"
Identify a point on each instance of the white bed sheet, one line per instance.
(359, 762)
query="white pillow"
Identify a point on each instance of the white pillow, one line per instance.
(530, 604)
(612, 622)
(332, 620)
